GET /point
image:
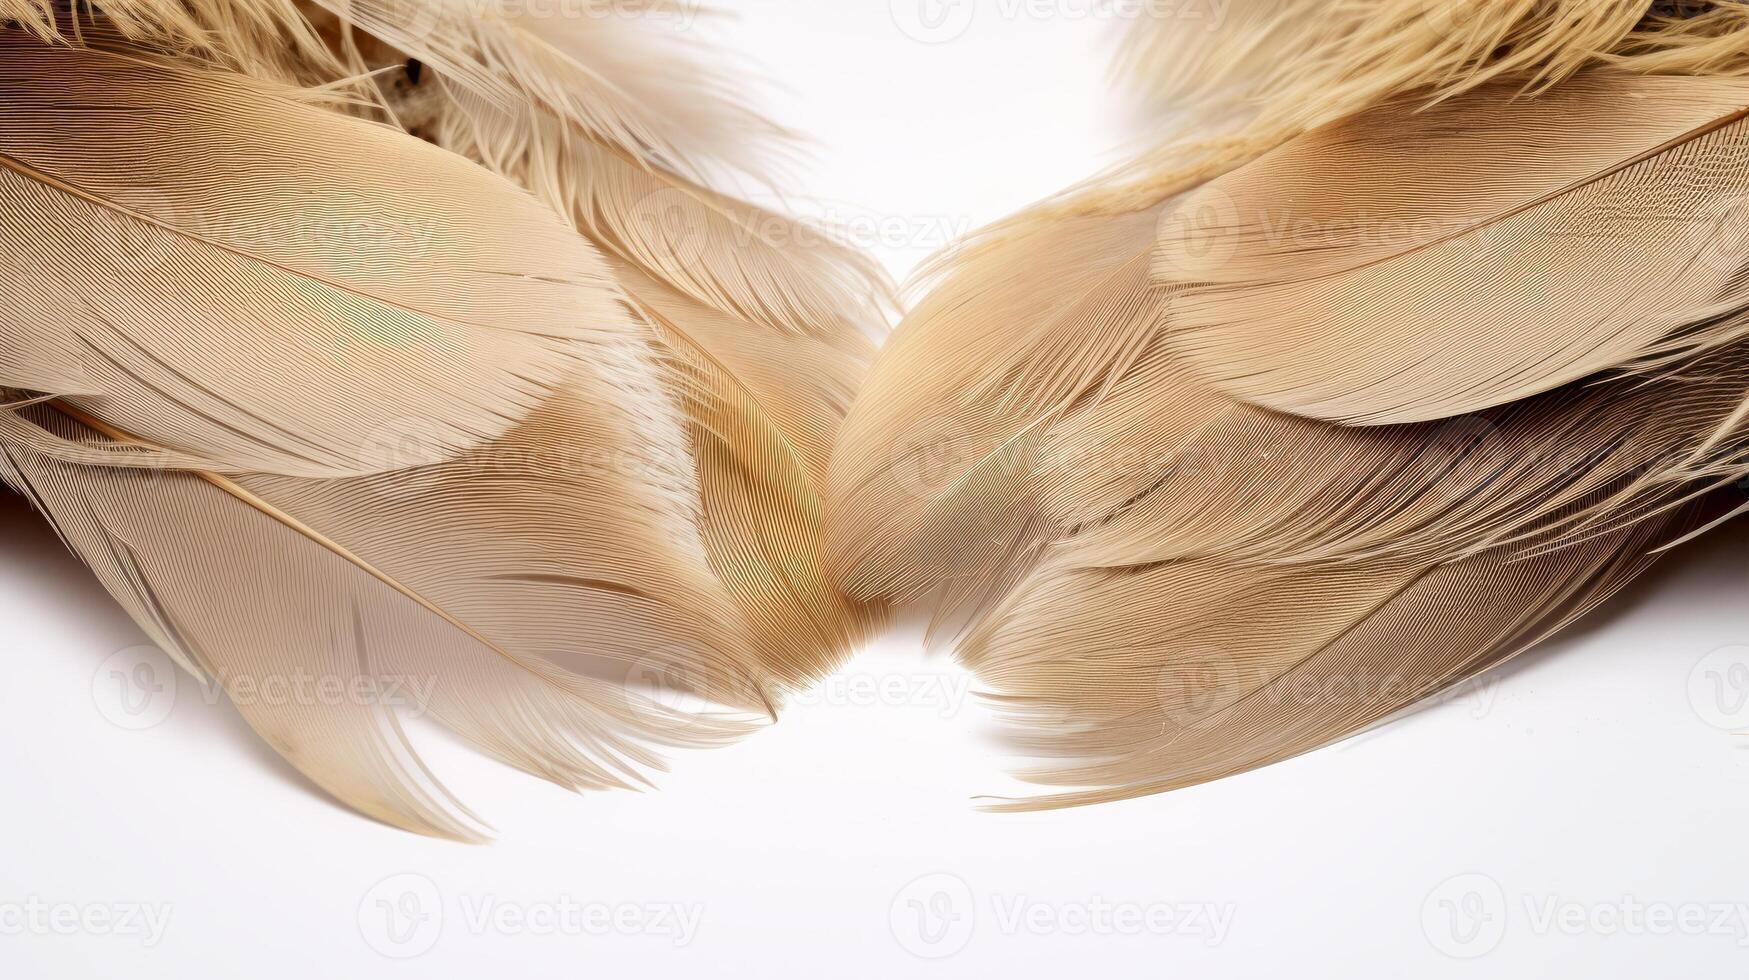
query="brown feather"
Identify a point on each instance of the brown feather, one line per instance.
(247, 238)
(1413, 264)
(525, 586)
(1072, 447)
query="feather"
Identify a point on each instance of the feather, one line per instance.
(775, 323)
(934, 479)
(1361, 406)
(1265, 71)
(265, 39)
(518, 586)
(1300, 63)
(1148, 680)
(201, 271)
(613, 71)
(1160, 540)
(763, 412)
(1408, 265)
(653, 517)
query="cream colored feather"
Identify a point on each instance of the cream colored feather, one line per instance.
(523, 587)
(1145, 679)
(1406, 265)
(245, 239)
(1114, 446)
(649, 516)
(774, 321)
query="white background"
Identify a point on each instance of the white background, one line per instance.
(1582, 812)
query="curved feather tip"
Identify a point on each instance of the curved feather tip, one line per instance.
(365, 364)
(1279, 429)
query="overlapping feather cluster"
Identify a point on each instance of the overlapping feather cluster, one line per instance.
(380, 337)
(408, 338)
(1427, 339)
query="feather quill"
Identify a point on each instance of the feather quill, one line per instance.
(773, 322)
(1592, 227)
(649, 516)
(195, 275)
(515, 585)
(1422, 358)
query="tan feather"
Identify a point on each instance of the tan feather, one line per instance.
(1259, 72)
(657, 519)
(523, 587)
(706, 575)
(949, 454)
(1184, 568)
(200, 271)
(614, 71)
(763, 411)
(772, 320)
(265, 39)
(1144, 680)
(1407, 265)
(1147, 560)
(1300, 63)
